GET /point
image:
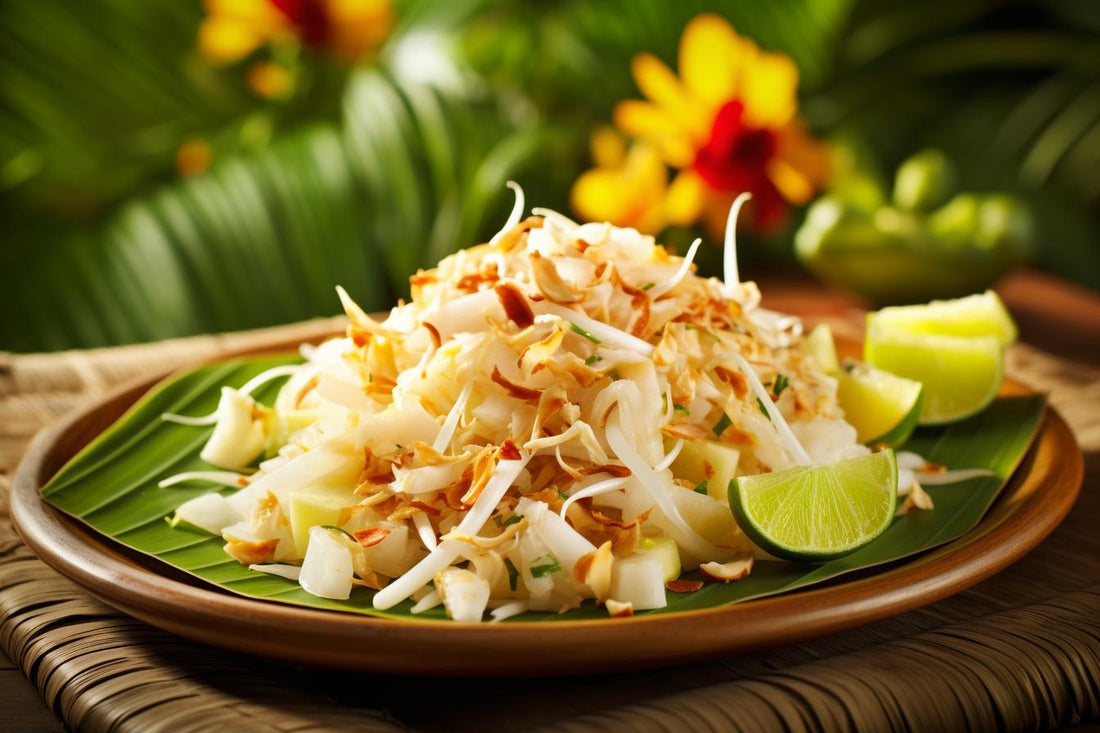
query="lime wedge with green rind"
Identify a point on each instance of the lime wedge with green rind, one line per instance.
(975, 315)
(960, 374)
(883, 408)
(817, 513)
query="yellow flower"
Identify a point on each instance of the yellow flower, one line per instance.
(627, 187)
(728, 124)
(232, 29)
(348, 29)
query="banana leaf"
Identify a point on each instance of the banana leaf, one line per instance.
(111, 486)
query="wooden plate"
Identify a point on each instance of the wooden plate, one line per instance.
(1036, 499)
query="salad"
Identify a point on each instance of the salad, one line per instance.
(554, 417)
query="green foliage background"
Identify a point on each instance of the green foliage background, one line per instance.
(367, 173)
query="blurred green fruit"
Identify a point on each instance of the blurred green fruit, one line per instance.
(896, 258)
(924, 181)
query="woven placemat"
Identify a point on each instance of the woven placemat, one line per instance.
(1020, 651)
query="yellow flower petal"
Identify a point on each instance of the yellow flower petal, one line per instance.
(650, 123)
(712, 57)
(225, 40)
(665, 90)
(630, 196)
(261, 15)
(608, 148)
(684, 203)
(769, 87)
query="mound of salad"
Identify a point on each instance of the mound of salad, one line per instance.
(554, 417)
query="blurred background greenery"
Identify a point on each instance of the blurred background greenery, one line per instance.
(157, 182)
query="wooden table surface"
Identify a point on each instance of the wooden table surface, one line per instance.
(1029, 637)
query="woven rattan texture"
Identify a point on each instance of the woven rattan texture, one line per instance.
(1020, 651)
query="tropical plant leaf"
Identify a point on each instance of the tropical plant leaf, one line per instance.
(112, 487)
(411, 174)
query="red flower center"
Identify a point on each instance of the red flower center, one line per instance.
(309, 16)
(735, 159)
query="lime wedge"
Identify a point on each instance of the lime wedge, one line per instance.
(816, 513)
(882, 407)
(974, 315)
(960, 374)
(819, 348)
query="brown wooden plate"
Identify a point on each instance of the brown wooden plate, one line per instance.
(1035, 500)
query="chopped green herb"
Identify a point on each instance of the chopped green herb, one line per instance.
(513, 574)
(548, 566)
(702, 487)
(781, 383)
(648, 286)
(721, 425)
(399, 446)
(502, 523)
(581, 332)
(562, 495)
(591, 360)
(681, 408)
(763, 410)
(614, 374)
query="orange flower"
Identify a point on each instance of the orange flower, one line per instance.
(349, 29)
(728, 124)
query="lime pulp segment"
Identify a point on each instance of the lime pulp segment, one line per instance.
(960, 375)
(975, 315)
(816, 513)
(882, 407)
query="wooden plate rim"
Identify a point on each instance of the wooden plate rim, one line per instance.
(1052, 474)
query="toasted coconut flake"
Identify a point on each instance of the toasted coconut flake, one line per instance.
(546, 276)
(483, 471)
(251, 552)
(489, 543)
(419, 453)
(728, 572)
(551, 402)
(917, 500)
(616, 609)
(612, 469)
(594, 569)
(573, 367)
(735, 379)
(684, 586)
(370, 580)
(370, 536)
(426, 508)
(686, 430)
(403, 512)
(348, 512)
(515, 304)
(619, 523)
(509, 239)
(515, 390)
(508, 451)
(536, 355)
(736, 436)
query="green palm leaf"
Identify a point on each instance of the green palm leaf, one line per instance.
(112, 487)
(411, 174)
